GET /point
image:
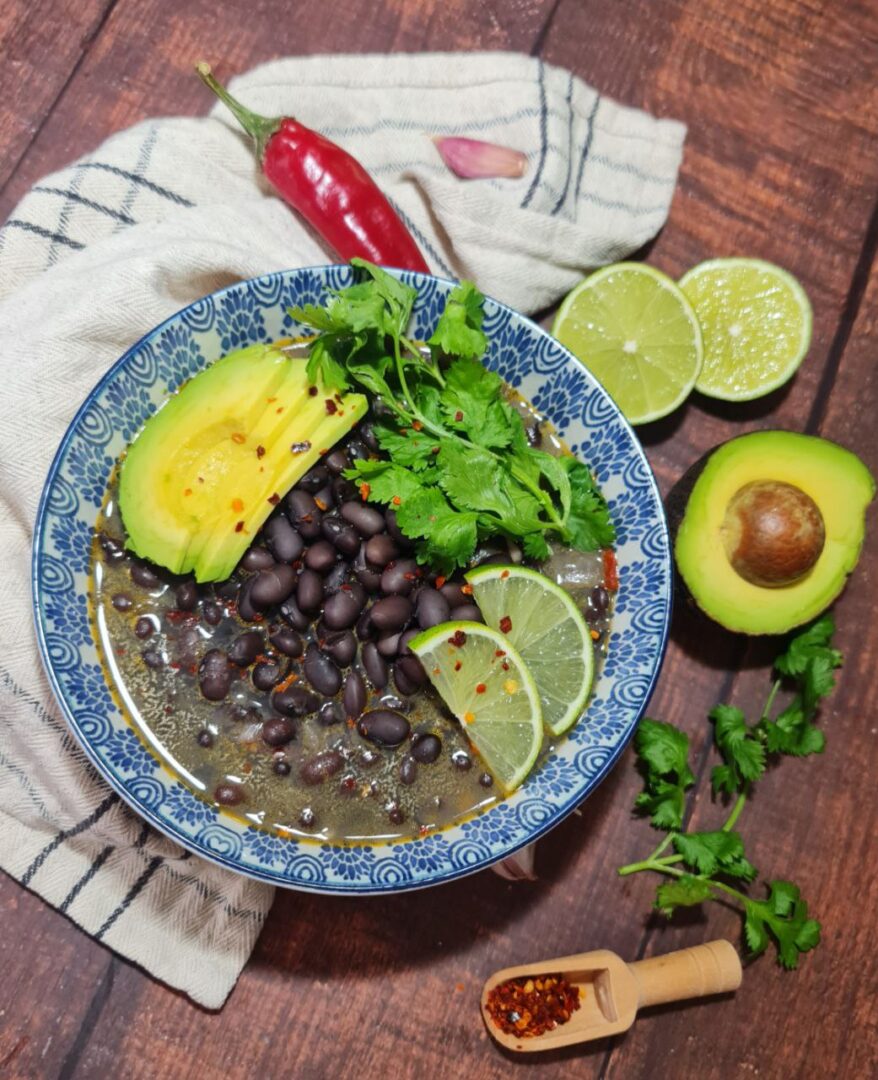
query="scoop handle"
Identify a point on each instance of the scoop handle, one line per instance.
(712, 968)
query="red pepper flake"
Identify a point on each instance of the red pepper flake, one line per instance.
(468, 717)
(337, 397)
(200, 479)
(246, 768)
(458, 638)
(417, 425)
(322, 452)
(530, 1006)
(437, 671)
(467, 590)
(238, 438)
(480, 688)
(505, 665)
(396, 500)
(312, 391)
(321, 505)
(188, 491)
(457, 666)
(611, 570)
(504, 575)
(274, 499)
(458, 416)
(364, 491)
(237, 505)
(239, 527)
(499, 652)
(331, 406)
(505, 624)
(280, 409)
(260, 451)
(434, 450)
(271, 400)
(300, 447)
(440, 581)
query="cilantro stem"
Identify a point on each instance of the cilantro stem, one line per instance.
(769, 701)
(736, 812)
(416, 354)
(667, 840)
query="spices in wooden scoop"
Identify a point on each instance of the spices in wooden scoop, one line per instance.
(527, 1007)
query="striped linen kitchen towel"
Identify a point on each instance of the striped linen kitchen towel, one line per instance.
(159, 215)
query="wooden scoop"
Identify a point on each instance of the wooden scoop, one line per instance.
(611, 991)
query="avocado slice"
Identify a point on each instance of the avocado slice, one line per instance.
(723, 523)
(207, 469)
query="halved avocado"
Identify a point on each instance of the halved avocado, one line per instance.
(208, 468)
(772, 526)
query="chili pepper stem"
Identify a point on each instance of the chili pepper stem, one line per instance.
(261, 128)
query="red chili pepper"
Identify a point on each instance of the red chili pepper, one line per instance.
(611, 571)
(328, 187)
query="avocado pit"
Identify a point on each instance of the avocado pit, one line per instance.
(773, 533)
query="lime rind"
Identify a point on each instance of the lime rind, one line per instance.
(504, 721)
(723, 360)
(549, 632)
(645, 352)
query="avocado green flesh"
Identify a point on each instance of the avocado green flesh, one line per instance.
(208, 468)
(837, 481)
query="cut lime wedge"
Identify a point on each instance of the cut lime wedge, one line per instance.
(549, 632)
(756, 322)
(486, 685)
(636, 332)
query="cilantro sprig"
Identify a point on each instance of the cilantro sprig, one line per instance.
(704, 864)
(458, 467)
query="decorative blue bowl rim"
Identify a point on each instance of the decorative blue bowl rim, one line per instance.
(529, 359)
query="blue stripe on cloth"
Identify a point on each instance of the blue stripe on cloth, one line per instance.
(629, 208)
(24, 780)
(131, 895)
(632, 170)
(452, 128)
(67, 834)
(81, 200)
(48, 234)
(544, 138)
(587, 145)
(86, 878)
(569, 100)
(156, 189)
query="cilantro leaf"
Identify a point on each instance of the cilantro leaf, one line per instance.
(811, 643)
(743, 753)
(387, 481)
(397, 298)
(712, 852)
(535, 546)
(410, 448)
(664, 755)
(685, 891)
(472, 404)
(459, 330)
(449, 536)
(589, 521)
(784, 915)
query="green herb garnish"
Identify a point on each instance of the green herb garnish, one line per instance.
(459, 468)
(704, 861)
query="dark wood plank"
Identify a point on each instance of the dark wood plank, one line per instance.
(38, 61)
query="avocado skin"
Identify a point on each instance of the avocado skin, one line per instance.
(679, 500)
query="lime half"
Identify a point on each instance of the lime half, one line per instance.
(756, 321)
(484, 682)
(547, 629)
(637, 334)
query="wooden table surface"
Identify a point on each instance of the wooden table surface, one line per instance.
(781, 101)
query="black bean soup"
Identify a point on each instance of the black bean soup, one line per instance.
(288, 692)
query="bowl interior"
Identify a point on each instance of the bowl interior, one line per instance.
(529, 360)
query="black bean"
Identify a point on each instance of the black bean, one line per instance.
(365, 519)
(272, 586)
(281, 767)
(426, 748)
(153, 658)
(246, 647)
(404, 639)
(400, 577)
(384, 727)
(432, 608)
(211, 612)
(461, 760)
(337, 461)
(319, 768)
(336, 577)
(357, 449)
(321, 556)
(343, 609)
(344, 536)
(468, 612)
(278, 731)
(325, 498)
(228, 794)
(381, 550)
(309, 591)
(341, 645)
(290, 612)
(393, 701)
(214, 676)
(413, 669)
(307, 818)
(257, 558)
(245, 605)
(370, 579)
(343, 490)
(375, 665)
(204, 738)
(321, 672)
(329, 713)
(408, 770)
(403, 683)
(295, 701)
(304, 514)
(226, 590)
(144, 576)
(395, 813)
(391, 613)
(388, 645)
(397, 533)
(144, 628)
(121, 601)
(283, 541)
(113, 549)
(454, 594)
(486, 780)
(598, 601)
(186, 596)
(364, 629)
(354, 694)
(314, 479)
(286, 641)
(267, 674)
(366, 431)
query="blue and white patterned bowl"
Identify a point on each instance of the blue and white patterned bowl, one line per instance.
(527, 358)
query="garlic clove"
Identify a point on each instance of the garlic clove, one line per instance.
(472, 159)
